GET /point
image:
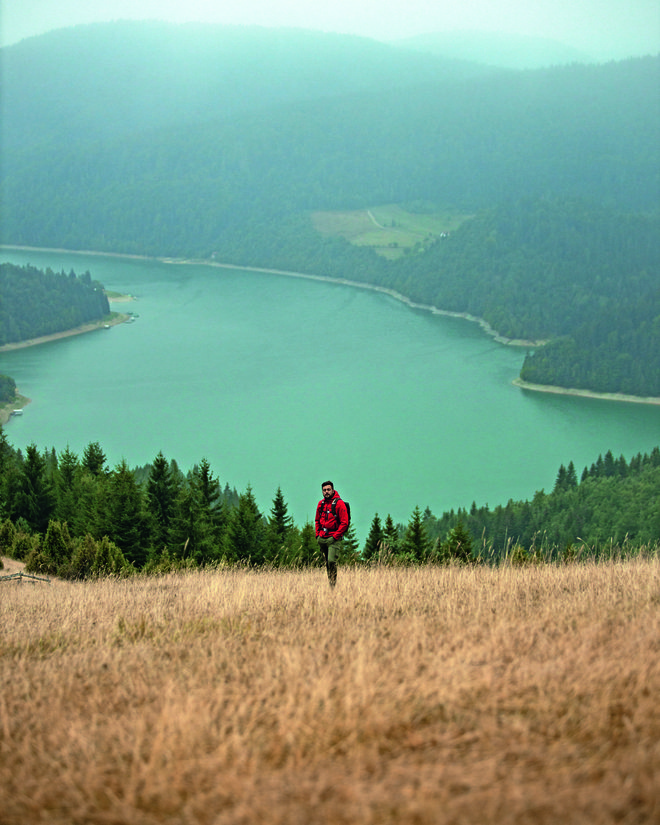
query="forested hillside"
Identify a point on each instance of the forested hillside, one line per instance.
(539, 268)
(35, 303)
(219, 143)
(177, 190)
(617, 351)
(74, 516)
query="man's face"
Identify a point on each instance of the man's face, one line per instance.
(327, 491)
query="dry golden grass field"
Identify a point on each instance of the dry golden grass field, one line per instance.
(431, 695)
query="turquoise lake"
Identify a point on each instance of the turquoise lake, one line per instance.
(282, 381)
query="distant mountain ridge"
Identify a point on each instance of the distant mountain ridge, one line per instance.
(225, 125)
(497, 49)
(311, 120)
(139, 76)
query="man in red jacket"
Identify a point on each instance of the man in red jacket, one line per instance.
(331, 524)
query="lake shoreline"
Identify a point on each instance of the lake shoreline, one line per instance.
(603, 396)
(118, 318)
(7, 409)
(398, 296)
(512, 342)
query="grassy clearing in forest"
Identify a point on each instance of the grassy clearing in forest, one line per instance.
(390, 230)
(425, 695)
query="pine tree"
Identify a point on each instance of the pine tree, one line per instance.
(161, 496)
(213, 516)
(35, 498)
(416, 544)
(280, 520)
(93, 459)
(68, 467)
(246, 531)
(211, 496)
(67, 482)
(560, 481)
(375, 539)
(93, 502)
(458, 546)
(186, 529)
(349, 547)
(191, 534)
(126, 518)
(391, 539)
(308, 553)
(278, 534)
(609, 467)
(199, 522)
(571, 475)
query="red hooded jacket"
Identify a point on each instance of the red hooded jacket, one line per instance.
(326, 523)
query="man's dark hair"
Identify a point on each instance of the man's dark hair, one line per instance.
(325, 483)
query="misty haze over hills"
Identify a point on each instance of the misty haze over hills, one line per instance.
(129, 76)
(402, 124)
(501, 50)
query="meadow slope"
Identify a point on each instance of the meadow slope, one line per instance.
(427, 695)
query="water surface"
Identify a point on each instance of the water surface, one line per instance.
(282, 381)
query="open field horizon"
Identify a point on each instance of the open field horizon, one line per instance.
(424, 695)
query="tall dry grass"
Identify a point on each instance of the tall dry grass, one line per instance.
(474, 695)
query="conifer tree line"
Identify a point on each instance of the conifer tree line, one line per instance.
(73, 516)
(613, 506)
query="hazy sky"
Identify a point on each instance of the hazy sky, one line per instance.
(603, 28)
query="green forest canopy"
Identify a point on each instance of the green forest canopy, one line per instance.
(36, 302)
